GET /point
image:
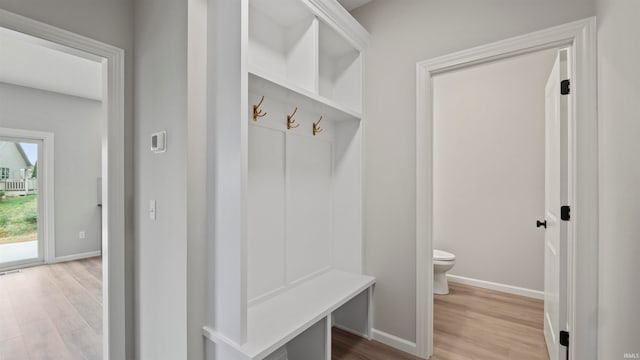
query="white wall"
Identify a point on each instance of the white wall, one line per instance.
(489, 169)
(619, 115)
(109, 21)
(161, 252)
(196, 178)
(402, 33)
(75, 123)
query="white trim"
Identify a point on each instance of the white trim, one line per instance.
(580, 36)
(112, 126)
(424, 214)
(46, 182)
(516, 290)
(351, 331)
(86, 255)
(332, 13)
(394, 341)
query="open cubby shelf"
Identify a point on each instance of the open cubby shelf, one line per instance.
(261, 83)
(340, 69)
(286, 263)
(275, 322)
(293, 48)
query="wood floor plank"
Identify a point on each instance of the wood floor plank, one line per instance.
(84, 341)
(469, 324)
(346, 346)
(85, 279)
(89, 309)
(64, 316)
(477, 323)
(65, 280)
(52, 312)
(43, 341)
(93, 267)
(26, 307)
(8, 323)
(78, 296)
(57, 314)
(13, 349)
(16, 284)
(3, 288)
(40, 282)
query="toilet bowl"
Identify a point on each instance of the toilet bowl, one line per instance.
(442, 262)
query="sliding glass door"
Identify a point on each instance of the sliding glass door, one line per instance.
(21, 231)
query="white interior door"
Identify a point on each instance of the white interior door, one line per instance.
(555, 267)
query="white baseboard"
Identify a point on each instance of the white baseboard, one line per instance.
(498, 287)
(76, 256)
(395, 342)
(351, 331)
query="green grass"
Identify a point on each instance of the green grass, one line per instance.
(19, 216)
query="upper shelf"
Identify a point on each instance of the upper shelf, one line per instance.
(291, 46)
(283, 41)
(287, 92)
(340, 69)
(273, 323)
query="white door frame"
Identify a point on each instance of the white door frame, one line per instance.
(112, 128)
(45, 183)
(580, 37)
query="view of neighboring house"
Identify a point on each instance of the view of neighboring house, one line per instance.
(16, 170)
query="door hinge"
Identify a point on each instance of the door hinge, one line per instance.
(564, 338)
(565, 213)
(564, 341)
(565, 87)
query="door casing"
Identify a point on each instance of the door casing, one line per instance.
(582, 272)
(113, 168)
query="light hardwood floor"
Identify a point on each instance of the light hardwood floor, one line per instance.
(469, 323)
(55, 312)
(52, 312)
(345, 346)
(476, 323)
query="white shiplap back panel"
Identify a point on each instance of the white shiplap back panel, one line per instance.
(309, 194)
(266, 211)
(347, 187)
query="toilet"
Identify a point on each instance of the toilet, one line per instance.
(442, 262)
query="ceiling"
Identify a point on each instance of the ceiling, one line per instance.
(353, 4)
(35, 63)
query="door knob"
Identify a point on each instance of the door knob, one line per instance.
(541, 223)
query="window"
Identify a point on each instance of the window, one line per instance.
(4, 173)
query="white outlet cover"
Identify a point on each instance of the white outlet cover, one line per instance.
(152, 209)
(159, 142)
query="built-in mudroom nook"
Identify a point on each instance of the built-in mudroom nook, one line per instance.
(286, 261)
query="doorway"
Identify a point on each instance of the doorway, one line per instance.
(579, 37)
(25, 198)
(111, 143)
(489, 190)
